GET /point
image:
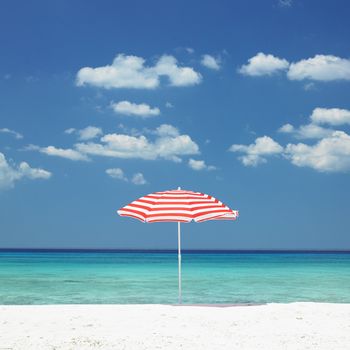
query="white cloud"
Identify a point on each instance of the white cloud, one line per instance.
(178, 76)
(172, 147)
(141, 110)
(309, 131)
(33, 173)
(90, 132)
(116, 173)
(312, 131)
(321, 68)
(256, 152)
(124, 72)
(16, 134)
(69, 131)
(131, 72)
(168, 144)
(318, 68)
(262, 64)
(59, 152)
(10, 173)
(331, 116)
(167, 130)
(200, 165)
(211, 62)
(138, 179)
(331, 154)
(286, 128)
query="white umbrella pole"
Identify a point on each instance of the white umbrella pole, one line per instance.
(179, 257)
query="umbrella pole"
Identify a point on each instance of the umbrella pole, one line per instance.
(179, 258)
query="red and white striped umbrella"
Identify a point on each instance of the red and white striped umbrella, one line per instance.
(178, 206)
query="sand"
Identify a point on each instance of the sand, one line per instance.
(272, 326)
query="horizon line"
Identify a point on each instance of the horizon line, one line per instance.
(170, 250)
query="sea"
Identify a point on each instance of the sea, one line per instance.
(151, 277)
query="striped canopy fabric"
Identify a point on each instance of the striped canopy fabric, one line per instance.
(178, 206)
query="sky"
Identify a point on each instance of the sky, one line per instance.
(104, 101)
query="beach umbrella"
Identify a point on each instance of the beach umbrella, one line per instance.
(178, 206)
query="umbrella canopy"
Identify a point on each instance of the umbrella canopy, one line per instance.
(178, 206)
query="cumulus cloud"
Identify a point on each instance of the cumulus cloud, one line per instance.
(313, 130)
(67, 153)
(138, 179)
(178, 76)
(131, 72)
(124, 72)
(140, 110)
(321, 68)
(211, 62)
(117, 173)
(33, 173)
(308, 131)
(165, 142)
(331, 116)
(10, 173)
(16, 134)
(168, 144)
(286, 128)
(262, 64)
(88, 133)
(257, 152)
(70, 131)
(331, 154)
(199, 165)
(317, 68)
(167, 130)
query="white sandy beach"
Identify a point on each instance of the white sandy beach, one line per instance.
(273, 326)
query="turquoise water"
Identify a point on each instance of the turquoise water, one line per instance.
(120, 278)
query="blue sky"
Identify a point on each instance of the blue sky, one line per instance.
(103, 102)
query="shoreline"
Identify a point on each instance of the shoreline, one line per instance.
(301, 325)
